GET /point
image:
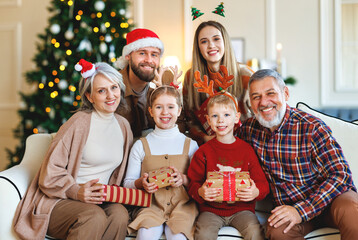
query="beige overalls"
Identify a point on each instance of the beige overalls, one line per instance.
(170, 205)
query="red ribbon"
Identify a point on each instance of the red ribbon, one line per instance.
(173, 85)
(229, 186)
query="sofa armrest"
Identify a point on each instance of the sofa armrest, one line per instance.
(10, 196)
(15, 181)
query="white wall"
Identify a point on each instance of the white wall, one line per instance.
(262, 23)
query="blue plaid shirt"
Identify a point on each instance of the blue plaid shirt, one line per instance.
(302, 161)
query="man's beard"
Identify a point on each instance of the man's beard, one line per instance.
(144, 76)
(274, 122)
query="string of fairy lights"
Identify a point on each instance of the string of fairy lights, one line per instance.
(105, 32)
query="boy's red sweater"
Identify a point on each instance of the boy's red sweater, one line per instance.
(238, 155)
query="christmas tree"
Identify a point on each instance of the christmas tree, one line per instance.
(93, 30)
(195, 13)
(219, 10)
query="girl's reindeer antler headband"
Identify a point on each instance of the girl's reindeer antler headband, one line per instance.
(224, 82)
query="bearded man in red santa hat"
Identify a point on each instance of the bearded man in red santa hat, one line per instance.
(139, 62)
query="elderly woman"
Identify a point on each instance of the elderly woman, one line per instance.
(92, 147)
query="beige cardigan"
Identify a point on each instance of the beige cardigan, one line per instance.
(56, 178)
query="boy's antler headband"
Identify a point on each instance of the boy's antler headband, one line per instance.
(208, 86)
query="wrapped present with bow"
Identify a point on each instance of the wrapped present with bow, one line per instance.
(161, 176)
(128, 196)
(228, 182)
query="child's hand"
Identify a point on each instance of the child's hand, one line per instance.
(248, 194)
(178, 178)
(208, 194)
(149, 187)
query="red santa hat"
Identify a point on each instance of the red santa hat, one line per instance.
(87, 69)
(136, 39)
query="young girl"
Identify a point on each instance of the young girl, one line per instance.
(171, 209)
(212, 48)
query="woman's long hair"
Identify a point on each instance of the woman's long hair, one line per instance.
(200, 64)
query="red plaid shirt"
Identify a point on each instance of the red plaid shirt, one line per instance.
(303, 162)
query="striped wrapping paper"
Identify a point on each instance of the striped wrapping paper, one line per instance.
(127, 196)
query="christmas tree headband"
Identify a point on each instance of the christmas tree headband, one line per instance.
(224, 82)
(219, 10)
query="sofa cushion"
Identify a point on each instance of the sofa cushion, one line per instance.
(346, 134)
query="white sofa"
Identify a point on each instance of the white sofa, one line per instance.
(15, 181)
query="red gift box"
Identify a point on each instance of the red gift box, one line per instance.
(228, 182)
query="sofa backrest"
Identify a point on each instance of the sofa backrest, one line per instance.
(35, 151)
(346, 134)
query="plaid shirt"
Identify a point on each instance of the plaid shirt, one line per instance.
(301, 159)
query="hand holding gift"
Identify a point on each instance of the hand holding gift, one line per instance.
(249, 193)
(229, 182)
(208, 194)
(90, 192)
(161, 177)
(149, 187)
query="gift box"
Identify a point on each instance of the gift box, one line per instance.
(228, 182)
(161, 176)
(127, 196)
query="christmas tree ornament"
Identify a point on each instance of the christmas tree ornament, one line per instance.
(85, 44)
(69, 34)
(99, 6)
(195, 13)
(103, 28)
(67, 99)
(122, 11)
(84, 25)
(51, 114)
(23, 105)
(111, 55)
(63, 84)
(28, 124)
(108, 38)
(219, 10)
(64, 63)
(87, 69)
(55, 29)
(44, 62)
(43, 79)
(103, 47)
(136, 39)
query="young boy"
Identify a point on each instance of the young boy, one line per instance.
(231, 152)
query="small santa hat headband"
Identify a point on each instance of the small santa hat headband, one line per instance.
(136, 39)
(87, 69)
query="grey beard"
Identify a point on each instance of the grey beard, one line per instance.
(274, 122)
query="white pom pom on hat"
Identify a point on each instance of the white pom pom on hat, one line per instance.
(136, 39)
(87, 69)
